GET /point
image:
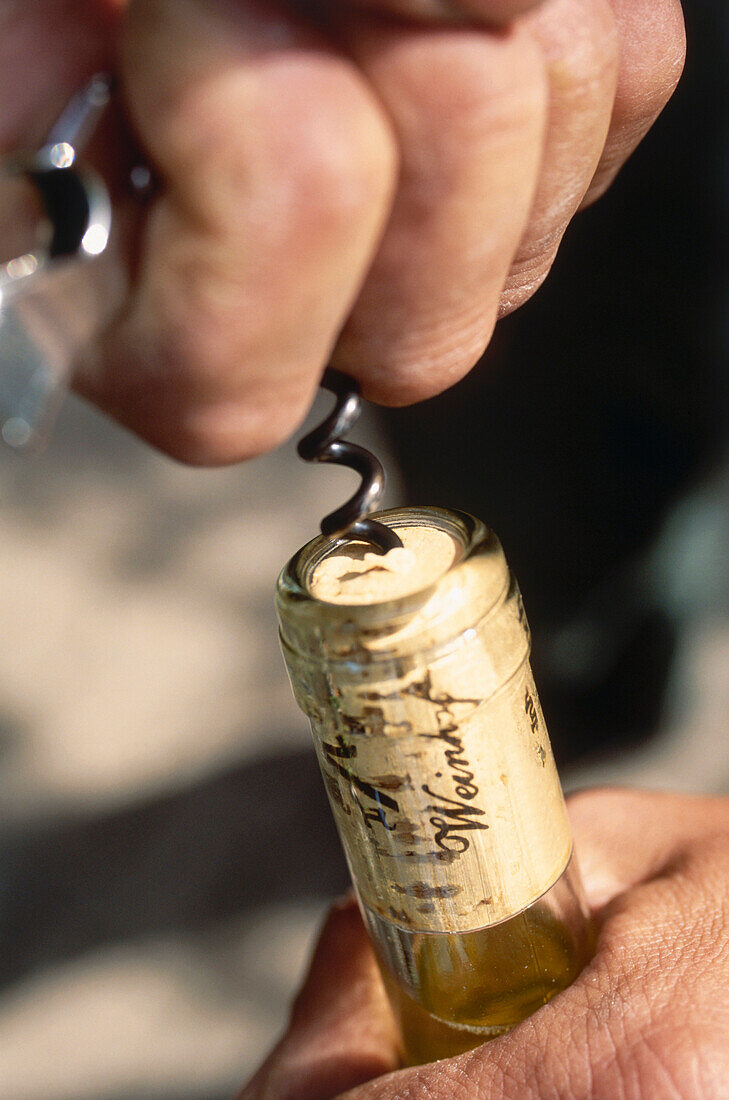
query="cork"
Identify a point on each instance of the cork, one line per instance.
(353, 574)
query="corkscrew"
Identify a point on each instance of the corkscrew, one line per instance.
(76, 203)
(57, 214)
(75, 225)
(325, 445)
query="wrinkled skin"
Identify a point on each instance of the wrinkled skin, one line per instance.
(647, 1020)
(370, 184)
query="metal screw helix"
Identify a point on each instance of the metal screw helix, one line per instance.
(325, 445)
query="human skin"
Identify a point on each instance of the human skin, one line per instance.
(648, 1019)
(373, 186)
(365, 184)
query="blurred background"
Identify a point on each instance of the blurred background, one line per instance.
(166, 851)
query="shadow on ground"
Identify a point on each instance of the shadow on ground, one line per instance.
(257, 835)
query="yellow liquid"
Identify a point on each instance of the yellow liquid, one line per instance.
(467, 988)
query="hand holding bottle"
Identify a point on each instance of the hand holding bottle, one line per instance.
(649, 1017)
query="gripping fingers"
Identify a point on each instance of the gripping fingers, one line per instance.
(277, 154)
(277, 167)
(468, 107)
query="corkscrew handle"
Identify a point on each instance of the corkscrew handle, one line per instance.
(325, 445)
(76, 202)
(55, 217)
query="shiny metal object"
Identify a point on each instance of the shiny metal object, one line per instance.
(324, 445)
(55, 217)
(75, 201)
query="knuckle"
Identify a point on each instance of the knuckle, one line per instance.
(471, 87)
(292, 150)
(340, 156)
(342, 170)
(292, 144)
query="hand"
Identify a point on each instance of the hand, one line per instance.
(648, 1019)
(371, 186)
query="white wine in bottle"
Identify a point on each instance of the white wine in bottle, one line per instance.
(413, 668)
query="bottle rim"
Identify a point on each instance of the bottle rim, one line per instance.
(469, 535)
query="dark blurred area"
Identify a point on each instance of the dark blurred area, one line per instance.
(597, 406)
(118, 875)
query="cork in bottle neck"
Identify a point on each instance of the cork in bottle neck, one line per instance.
(354, 575)
(342, 602)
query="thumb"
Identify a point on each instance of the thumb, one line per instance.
(342, 1032)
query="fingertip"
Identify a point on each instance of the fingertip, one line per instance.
(191, 397)
(224, 434)
(525, 279)
(422, 368)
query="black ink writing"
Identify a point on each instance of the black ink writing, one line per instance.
(450, 826)
(369, 800)
(531, 711)
(454, 817)
(341, 750)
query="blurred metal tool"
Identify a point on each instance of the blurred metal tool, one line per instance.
(55, 219)
(324, 445)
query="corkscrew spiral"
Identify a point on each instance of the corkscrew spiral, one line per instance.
(324, 444)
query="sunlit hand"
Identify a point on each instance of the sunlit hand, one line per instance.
(369, 183)
(647, 1020)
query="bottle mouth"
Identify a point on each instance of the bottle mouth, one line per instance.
(353, 574)
(465, 586)
(346, 573)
